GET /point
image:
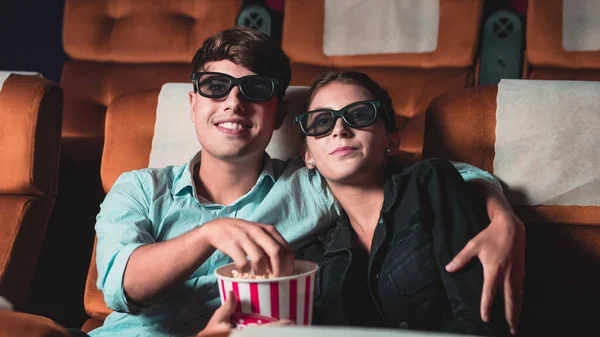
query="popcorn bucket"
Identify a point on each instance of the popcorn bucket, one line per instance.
(262, 301)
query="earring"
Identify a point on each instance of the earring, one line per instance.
(388, 150)
(311, 164)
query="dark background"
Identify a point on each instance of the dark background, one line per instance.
(31, 36)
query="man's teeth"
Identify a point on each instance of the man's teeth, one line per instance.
(232, 126)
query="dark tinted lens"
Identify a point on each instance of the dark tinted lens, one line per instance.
(214, 85)
(361, 115)
(258, 88)
(317, 122)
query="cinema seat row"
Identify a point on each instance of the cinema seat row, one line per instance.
(121, 53)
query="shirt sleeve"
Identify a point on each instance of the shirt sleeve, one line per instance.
(470, 173)
(121, 227)
(302, 202)
(455, 220)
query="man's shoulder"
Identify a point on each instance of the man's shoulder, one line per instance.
(286, 167)
(153, 179)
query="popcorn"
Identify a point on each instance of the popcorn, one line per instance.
(251, 275)
(265, 298)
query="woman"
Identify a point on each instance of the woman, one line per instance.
(383, 263)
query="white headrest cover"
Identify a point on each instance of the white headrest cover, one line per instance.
(175, 142)
(547, 141)
(359, 27)
(581, 25)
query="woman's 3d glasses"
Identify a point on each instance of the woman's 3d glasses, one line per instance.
(218, 85)
(321, 121)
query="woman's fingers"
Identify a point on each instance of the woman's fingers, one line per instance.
(224, 312)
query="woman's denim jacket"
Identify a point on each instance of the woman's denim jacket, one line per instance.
(426, 219)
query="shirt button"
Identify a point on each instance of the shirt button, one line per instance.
(377, 276)
(403, 325)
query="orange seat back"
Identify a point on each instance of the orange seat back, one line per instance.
(561, 291)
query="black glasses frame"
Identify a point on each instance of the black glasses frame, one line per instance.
(195, 78)
(338, 114)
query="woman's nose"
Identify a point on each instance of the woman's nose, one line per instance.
(340, 129)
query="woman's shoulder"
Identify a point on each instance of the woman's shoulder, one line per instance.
(423, 167)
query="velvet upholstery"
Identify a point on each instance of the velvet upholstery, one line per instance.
(544, 39)
(129, 131)
(457, 40)
(413, 79)
(115, 48)
(545, 56)
(30, 124)
(563, 242)
(20, 324)
(131, 31)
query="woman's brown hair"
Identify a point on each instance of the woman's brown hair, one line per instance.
(364, 81)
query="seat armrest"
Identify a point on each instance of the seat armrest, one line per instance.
(20, 324)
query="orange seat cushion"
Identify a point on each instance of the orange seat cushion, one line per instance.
(92, 324)
(136, 109)
(544, 39)
(303, 29)
(565, 74)
(133, 31)
(563, 242)
(22, 324)
(30, 124)
(91, 86)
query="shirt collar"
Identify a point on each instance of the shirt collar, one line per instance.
(186, 180)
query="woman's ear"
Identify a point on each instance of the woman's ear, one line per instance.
(393, 143)
(308, 159)
(282, 111)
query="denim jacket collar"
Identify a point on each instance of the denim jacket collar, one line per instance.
(340, 237)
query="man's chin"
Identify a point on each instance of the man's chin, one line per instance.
(234, 155)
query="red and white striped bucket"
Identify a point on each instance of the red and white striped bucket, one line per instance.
(268, 300)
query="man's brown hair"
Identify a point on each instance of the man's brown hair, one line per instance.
(249, 48)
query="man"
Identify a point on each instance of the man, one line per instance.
(163, 232)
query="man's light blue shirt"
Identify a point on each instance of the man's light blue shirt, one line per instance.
(154, 205)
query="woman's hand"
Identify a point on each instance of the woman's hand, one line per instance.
(220, 322)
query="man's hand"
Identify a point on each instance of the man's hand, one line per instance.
(262, 244)
(174, 260)
(501, 250)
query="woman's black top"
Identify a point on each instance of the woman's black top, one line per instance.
(427, 217)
